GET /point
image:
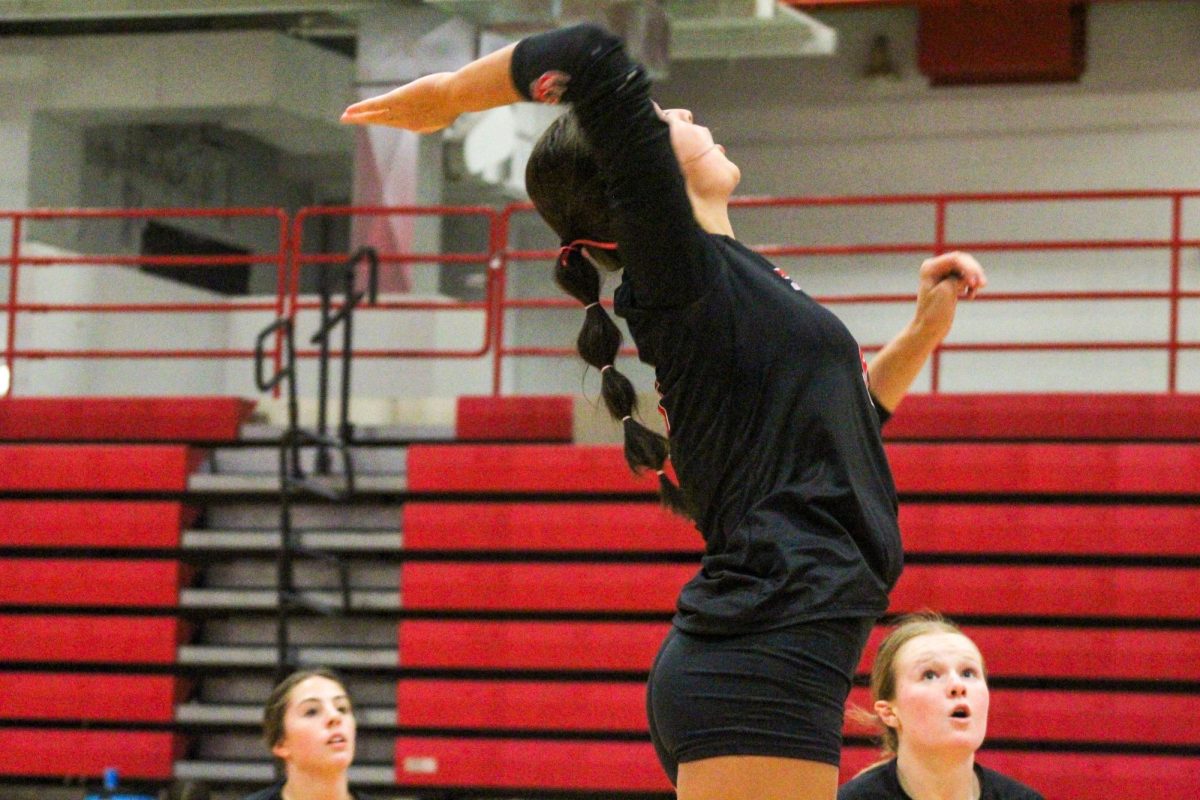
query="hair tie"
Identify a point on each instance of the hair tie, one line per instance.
(606, 366)
(565, 251)
(626, 418)
(660, 473)
(591, 305)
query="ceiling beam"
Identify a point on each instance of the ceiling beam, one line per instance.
(52, 10)
(821, 5)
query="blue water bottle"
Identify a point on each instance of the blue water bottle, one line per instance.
(109, 791)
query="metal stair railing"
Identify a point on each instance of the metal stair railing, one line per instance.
(344, 316)
(293, 483)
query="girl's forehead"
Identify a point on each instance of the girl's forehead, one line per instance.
(316, 688)
(939, 645)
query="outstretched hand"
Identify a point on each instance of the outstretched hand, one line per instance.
(944, 280)
(423, 106)
(431, 103)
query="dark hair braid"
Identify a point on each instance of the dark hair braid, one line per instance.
(599, 342)
(569, 190)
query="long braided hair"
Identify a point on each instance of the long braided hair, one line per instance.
(566, 185)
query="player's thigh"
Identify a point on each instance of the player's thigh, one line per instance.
(756, 778)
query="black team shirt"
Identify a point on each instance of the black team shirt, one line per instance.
(774, 435)
(883, 783)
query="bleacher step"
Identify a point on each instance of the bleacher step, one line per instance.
(252, 483)
(267, 433)
(262, 514)
(264, 772)
(357, 657)
(252, 715)
(331, 541)
(254, 459)
(267, 599)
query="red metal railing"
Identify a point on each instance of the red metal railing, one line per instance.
(939, 242)
(933, 215)
(17, 259)
(488, 215)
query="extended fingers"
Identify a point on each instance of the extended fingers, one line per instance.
(374, 109)
(364, 116)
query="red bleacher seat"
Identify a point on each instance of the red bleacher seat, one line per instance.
(32, 752)
(1015, 528)
(623, 527)
(86, 696)
(1060, 417)
(1048, 591)
(89, 582)
(1057, 652)
(129, 419)
(542, 587)
(942, 468)
(1001, 590)
(1016, 469)
(524, 645)
(528, 764)
(76, 523)
(66, 638)
(95, 467)
(522, 705)
(526, 418)
(1056, 529)
(547, 468)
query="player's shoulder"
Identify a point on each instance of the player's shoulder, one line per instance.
(872, 783)
(270, 793)
(997, 786)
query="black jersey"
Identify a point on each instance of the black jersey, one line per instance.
(882, 783)
(774, 436)
(276, 793)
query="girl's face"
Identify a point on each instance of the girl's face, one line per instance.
(318, 727)
(941, 701)
(705, 168)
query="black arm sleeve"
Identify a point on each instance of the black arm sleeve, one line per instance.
(668, 258)
(881, 412)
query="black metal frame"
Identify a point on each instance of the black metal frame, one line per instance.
(293, 484)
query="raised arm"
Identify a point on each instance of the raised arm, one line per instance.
(943, 281)
(434, 101)
(663, 249)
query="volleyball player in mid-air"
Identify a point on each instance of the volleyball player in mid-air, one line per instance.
(773, 418)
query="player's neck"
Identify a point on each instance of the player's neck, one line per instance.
(317, 786)
(933, 778)
(712, 215)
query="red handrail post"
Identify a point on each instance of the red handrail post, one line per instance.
(284, 261)
(496, 279)
(14, 264)
(498, 272)
(939, 247)
(1176, 266)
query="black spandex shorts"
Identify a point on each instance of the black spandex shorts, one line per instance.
(777, 693)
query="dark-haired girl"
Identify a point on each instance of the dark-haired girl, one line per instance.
(773, 419)
(308, 723)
